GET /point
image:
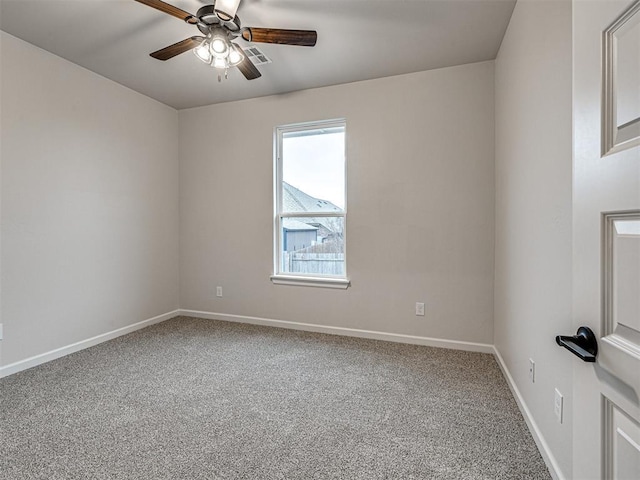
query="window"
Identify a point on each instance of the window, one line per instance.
(310, 210)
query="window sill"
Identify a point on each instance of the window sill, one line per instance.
(341, 283)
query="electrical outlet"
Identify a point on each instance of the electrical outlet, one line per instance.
(532, 370)
(218, 291)
(420, 309)
(558, 405)
(1, 334)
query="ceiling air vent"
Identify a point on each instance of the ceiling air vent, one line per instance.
(256, 55)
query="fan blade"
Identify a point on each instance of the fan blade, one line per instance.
(303, 38)
(248, 69)
(177, 48)
(171, 10)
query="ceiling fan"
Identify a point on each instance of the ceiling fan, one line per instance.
(220, 25)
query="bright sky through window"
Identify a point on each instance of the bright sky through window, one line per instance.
(313, 163)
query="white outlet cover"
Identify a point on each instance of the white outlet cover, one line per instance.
(532, 370)
(558, 405)
(420, 309)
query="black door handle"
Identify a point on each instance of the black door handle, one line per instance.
(583, 344)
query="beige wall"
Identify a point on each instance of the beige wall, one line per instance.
(420, 221)
(89, 203)
(533, 212)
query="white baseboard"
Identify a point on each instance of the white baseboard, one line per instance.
(81, 345)
(543, 447)
(349, 332)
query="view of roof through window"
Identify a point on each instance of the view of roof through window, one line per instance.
(313, 162)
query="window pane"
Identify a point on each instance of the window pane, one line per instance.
(313, 171)
(313, 246)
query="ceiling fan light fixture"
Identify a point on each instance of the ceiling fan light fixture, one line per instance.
(235, 55)
(203, 53)
(219, 46)
(220, 63)
(226, 9)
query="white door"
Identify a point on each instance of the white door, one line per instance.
(606, 270)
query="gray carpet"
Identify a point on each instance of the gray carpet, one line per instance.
(201, 399)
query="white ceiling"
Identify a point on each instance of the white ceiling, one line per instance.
(357, 40)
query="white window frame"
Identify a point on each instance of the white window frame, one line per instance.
(278, 277)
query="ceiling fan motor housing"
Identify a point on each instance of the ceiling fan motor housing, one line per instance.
(208, 18)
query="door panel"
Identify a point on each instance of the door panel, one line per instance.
(623, 457)
(628, 71)
(626, 274)
(606, 243)
(620, 347)
(621, 81)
